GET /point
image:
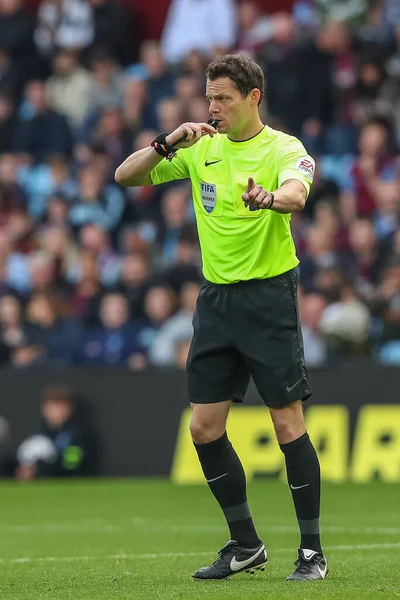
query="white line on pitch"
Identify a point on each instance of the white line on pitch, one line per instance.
(349, 548)
(104, 528)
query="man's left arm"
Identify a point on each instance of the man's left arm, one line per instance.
(295, 175)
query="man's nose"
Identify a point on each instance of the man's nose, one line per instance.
(213, 109)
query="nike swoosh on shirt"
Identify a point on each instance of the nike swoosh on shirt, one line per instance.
(236, 565)
(207, 164)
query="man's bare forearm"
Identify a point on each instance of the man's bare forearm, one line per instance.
(290, 197)
(136, 169)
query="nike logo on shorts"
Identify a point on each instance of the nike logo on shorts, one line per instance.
(290, 388)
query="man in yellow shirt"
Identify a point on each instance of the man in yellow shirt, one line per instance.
(247, 179)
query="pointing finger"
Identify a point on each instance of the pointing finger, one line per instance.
(250, 184)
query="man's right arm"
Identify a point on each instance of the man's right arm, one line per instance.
(136, 169)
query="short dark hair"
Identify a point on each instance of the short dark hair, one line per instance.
(245, 73)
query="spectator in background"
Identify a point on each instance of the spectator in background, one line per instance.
(366, 259)
(289, 70)
(43, 273)
(333, 77)
(63, 446)
(319, 253)
(117, 340)
(187, 265)
(215, 28)
(112, 134)
(59, 337)
(376, 161)
(174, 210)
(115, 29)
(16, 37)
(339, 11)
(12, 198)
(97, 241)
(177, 328)
(70, 87)
(135, 109)
(14, 266)
(64, 253)
(385, 306)
(377, 95)
(253, 29)
(40, 182)
(311, 308)
(57, 211)
(345, 324)
(9, 79)
(107, 82)
(63, 24)
(160, 304)
(170, 112)
(12, 329)
(134, 281)
(96, 203)
(187, 89)
(153, 68)
(88, 291)
(386, 217)
(8, 122)
(197, 111)
(41, 131)
(138, 239)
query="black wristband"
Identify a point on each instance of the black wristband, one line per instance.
(162, 148)
(271, 202)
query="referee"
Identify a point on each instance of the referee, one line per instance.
(246, 179)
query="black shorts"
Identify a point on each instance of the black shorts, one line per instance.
(244, 329)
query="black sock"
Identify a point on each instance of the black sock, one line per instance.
(303, 473)
(225, 476)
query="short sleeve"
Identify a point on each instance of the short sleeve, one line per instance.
(293, 162)
(172, 170)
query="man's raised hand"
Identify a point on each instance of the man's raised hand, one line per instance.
(191, 132)
(255, 195)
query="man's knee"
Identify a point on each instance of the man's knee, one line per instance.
(203, 431)
(288, 423)
(208, 422)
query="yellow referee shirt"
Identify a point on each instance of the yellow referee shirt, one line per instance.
(237, 243)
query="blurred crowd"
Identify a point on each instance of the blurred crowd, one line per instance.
(91, 273)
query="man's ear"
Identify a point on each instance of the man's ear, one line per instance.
(255, 95)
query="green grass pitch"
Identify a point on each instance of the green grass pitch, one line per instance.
(141, 540)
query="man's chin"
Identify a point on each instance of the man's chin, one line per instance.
(222, 127)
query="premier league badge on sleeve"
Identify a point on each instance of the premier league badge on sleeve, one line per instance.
(306, 166)
(208, 192)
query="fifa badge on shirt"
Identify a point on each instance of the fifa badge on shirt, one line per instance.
(208, 192)
(306, 166)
